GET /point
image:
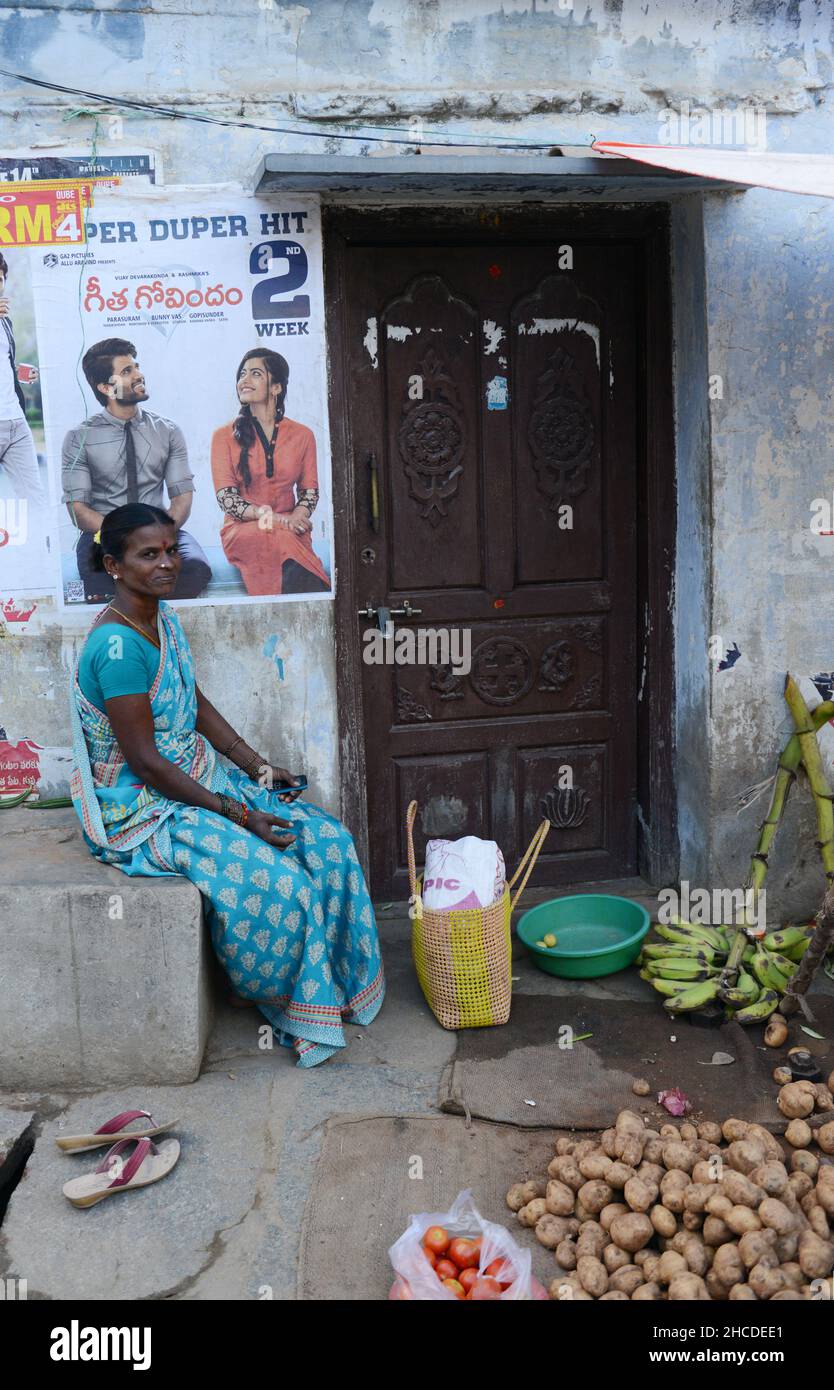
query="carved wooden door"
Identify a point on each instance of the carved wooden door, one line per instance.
(493, 419)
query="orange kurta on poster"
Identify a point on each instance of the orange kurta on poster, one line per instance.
(42, 214)
(259, 552)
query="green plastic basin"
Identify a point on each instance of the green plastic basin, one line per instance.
(596, 934)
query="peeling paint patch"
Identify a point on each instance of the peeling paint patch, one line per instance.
(808, 409)
(560, 326)
(732, 655)
(493, 334)
(497, 394)
(369, 342)
(399, 332)
(271, 650)
(647, 628)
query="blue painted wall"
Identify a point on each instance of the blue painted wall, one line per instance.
(753, 305)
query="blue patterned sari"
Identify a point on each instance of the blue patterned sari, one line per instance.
(294, 929)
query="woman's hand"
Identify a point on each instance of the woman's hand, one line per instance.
(298, 520)
(261, 824)
(280, 774)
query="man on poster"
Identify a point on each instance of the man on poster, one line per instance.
(126, 454)
(18, 457)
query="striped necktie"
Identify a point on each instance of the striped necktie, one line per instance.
(130, 464)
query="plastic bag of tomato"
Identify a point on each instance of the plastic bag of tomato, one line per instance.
(456, 1254)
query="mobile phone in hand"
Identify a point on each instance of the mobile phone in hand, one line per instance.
(297, 786)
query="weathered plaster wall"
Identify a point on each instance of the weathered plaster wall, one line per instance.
(693, 561)
(755, 303)
(771, 301)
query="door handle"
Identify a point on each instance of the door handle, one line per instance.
(373, 492)
(381, 614)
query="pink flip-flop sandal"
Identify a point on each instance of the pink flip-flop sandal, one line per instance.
(146, 1164)
(114, 1130)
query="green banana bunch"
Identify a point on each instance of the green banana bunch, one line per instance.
(768, 975)
(747, 985)
(679, 951)
(783, 965)
(761, 1010)
(662, 986)
(693, 998)
(694, 934)
(685, 966)
(744, 991)
(786, 937)
(674, 969)
(736, 999)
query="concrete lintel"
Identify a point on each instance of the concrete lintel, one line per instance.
(493, 176)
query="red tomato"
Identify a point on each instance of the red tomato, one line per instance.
(502, 1271)
(467, 1278)
(485, 1288)
(436, 1240)
(444, 1269)
(465, 1253)
(454, 1287)
(431, 1257)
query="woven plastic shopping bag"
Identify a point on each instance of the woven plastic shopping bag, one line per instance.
(463, 957)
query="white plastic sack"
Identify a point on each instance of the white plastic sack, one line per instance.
(417, 1280)
(462, 873)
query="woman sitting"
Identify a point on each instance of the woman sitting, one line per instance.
(290, 916)
(264, 471)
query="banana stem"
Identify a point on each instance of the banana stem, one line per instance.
(733, 962)
(821, 940)
(816, 775)
(788, 765)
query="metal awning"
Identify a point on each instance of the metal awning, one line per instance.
(809, 174)
(554, 175)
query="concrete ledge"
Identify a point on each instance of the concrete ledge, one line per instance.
(104, 979)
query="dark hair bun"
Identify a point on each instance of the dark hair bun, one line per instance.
(97, 556)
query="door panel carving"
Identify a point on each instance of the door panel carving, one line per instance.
(493, 407)
(559, 337)
(429, 367)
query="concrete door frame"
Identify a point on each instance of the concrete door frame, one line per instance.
(662, 231)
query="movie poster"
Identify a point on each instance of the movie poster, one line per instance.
(28, 569)
(181, 357)
(29, 219)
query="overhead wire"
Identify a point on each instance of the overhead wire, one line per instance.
(364, 135)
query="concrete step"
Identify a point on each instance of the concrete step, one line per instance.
(104, 979)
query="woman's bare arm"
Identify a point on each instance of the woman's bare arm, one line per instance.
(132, 721)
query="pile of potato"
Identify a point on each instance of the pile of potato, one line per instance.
(706, 1212)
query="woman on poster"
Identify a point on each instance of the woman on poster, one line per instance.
(264, 469)
(163, 784)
